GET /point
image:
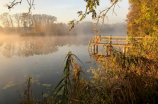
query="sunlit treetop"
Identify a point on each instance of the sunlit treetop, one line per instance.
(142, 18)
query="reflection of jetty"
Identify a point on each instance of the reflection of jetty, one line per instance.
(109, 42)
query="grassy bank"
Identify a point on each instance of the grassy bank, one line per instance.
(120, 79)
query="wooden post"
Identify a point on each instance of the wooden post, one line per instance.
(127, 44)
(106, 50)
(88, 44)
(110, 47)
(93, 52)
(126, 40)
(96, 48)
(110, 40)
(127, 49)
(123, 51)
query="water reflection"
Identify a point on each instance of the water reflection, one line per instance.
(29, 46)
(44, 64)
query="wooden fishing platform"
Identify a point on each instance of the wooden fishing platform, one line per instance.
(110, 42)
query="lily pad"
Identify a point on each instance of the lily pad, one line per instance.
(8, 85)
(47, 85)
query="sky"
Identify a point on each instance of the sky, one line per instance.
(66, 10)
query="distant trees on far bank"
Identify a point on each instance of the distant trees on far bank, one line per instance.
(45, 25)
(33, 24)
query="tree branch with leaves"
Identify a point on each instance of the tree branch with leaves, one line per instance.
(12, 4)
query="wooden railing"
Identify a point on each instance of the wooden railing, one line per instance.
(110, 41)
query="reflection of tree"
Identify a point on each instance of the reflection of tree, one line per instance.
(29, 46)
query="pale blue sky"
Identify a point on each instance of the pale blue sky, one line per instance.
(66, 10)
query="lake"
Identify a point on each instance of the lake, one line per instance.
(39, 57)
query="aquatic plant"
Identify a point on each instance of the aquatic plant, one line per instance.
(119, 79)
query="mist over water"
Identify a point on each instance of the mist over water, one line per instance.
(41, 57)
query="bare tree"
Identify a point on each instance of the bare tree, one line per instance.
(17, 20)
(6, 20)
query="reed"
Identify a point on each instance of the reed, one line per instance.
(120, 79)
(27, 96)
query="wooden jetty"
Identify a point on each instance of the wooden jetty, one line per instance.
(109, 42)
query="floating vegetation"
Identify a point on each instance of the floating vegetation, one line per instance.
(37, 75)
(38, 83)
(47, 85)
(10, 84)
(34, 81)
(45, 95)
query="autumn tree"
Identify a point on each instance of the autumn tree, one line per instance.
(142, 18)
(43, 22)
(17, 20)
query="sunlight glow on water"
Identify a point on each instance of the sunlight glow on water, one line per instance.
(39, 57)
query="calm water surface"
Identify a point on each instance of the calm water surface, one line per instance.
(39, 57)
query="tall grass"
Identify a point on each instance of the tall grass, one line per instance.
(27, 96)
(119, 79)
(130, 79)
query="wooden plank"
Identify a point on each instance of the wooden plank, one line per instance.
(118, 36)
(136, 37)
(113, 39)
(104, 39)
(108, 44)
(104, 36)
(118, 40)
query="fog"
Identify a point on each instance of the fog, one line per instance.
(46, 25)
(86, 28)
(22, 42)
(15, 45)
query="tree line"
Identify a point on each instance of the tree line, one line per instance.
(46, 25)
(33, 24)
